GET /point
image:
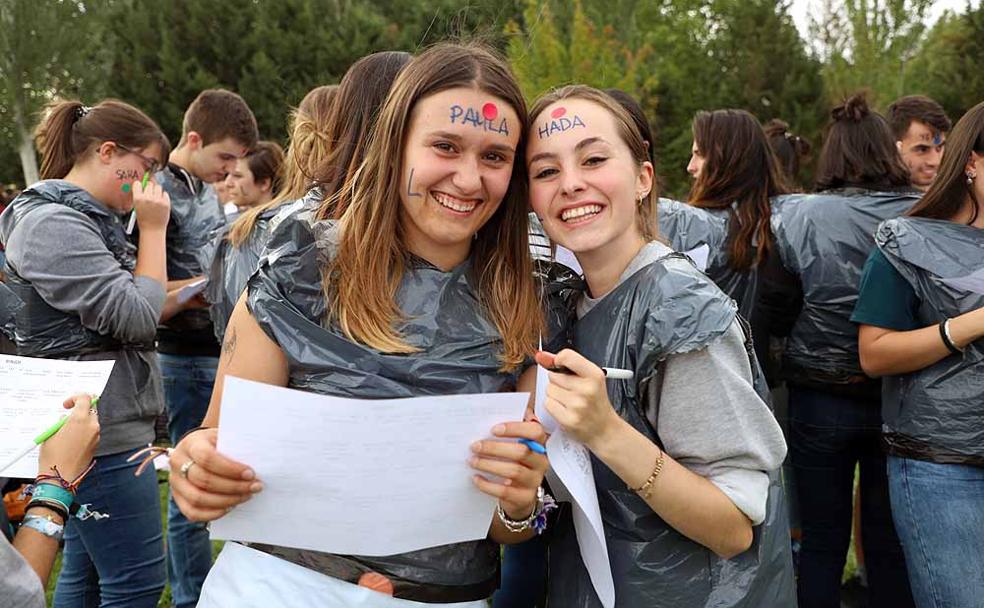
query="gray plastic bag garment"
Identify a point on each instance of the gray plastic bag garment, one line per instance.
(42, 330)
(196, 220)
(458, 355)
(825, 239)
(937, 413)
(10, 305)
(665, 308)
(687, 227)
(232, 266)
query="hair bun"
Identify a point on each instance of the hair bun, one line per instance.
(776, 128)
(853, 109)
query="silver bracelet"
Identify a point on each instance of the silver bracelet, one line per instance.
(521, 525)
(949, 338)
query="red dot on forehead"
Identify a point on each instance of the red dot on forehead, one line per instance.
(558, 112)
(490, 111)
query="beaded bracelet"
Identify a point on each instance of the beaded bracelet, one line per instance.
(646, 489)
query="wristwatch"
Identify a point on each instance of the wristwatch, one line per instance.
(45, 525)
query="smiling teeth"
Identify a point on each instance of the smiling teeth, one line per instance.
(454, 204)
(578, 212)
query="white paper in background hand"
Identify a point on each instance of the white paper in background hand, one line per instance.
(190, 290)
(973, 282)
(572, 480)
(700, 256)
(567, 258)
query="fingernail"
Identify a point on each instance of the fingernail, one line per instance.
(499, 429)
(248, 474)
(256, 487)
(473, 461)
(507, 482)
(476, 446)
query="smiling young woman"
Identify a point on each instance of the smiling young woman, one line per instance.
(686, 454)
(423, 287)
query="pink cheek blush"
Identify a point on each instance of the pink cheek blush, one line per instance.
(558, 112)
(490, 111)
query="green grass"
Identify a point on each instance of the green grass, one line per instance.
(165, 600)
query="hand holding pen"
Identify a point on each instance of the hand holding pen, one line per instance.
(72, 445)
(577, 396)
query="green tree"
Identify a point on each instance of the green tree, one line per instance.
(46, 49)
(865, 44)
(947, 66)
(546, 52)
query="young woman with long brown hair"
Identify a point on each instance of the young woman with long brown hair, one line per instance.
(684, 454)
(809, 291)
(88, 297)
(433, 237)
(922, 329)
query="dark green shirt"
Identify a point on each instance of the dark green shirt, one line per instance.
(885, 298)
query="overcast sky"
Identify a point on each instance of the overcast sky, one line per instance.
(802, 8)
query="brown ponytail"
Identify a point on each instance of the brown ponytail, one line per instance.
(68, 129)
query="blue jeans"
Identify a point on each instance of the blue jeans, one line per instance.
(187, 389)
(117, 561)
(829, 435)
(524, 575)
(939, 513)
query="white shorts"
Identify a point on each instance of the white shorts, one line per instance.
(244, 577)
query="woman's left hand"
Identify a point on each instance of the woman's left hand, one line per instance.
(521, 469)
(578, 400)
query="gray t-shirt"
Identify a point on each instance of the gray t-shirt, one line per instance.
(711, 420)
(20, 586)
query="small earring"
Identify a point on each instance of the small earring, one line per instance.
(970, 178)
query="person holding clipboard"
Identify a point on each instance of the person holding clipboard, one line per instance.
(423, 287)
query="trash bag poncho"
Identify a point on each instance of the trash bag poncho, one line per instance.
(232, 266)
(687, 227)
(666, 308)
(825, 239)
(458, 354)
(937, 413)
(42, 330)
(196, 220)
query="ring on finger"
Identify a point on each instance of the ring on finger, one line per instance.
(183, 471)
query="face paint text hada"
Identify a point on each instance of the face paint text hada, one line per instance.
(559, 123)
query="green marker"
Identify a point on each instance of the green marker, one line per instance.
(143, 183)
(44, 436)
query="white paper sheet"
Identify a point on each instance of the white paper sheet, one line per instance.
(572, 480)
(31, 395)
(974, 282)
(567, 258)
(700, 256)
(190, 290)
(358, 477)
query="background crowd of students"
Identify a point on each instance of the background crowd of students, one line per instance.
(363, 267)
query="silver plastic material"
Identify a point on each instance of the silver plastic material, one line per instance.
(686, 227)
(666, 308)
(196, 220)
(42, 330)
(232, 266)
(10, 305)
(825, 239)
(458, 350)
(936, 412)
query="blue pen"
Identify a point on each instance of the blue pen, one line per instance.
(536, 447)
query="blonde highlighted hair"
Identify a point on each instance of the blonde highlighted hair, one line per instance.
(361, 282)
(627, 130)
(309, 145)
